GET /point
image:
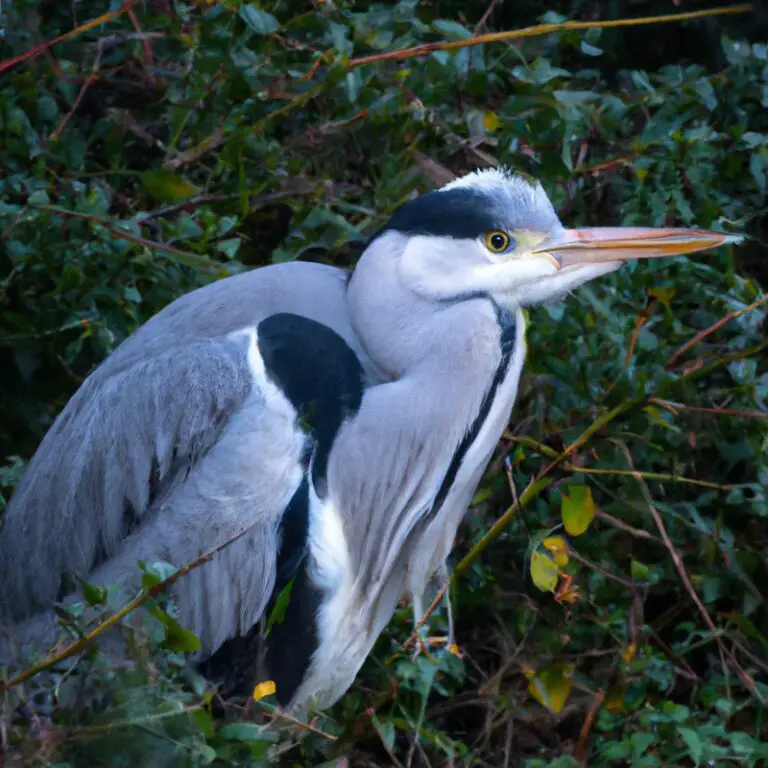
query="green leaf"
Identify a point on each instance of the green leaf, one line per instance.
(277, 615)
(577, 509)
(247, 732)
(95, 595)
(640, 742)
(451, 29)
(177, 638)
(166, 186)
(258, 20)
(639, 571)
(590, 50)
(693, 742)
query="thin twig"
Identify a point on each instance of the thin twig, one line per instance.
(581, 748)
(595, 567)
(675, 407)
(685, 578)
(93, 730)
(487, 15)
(675, 356)
(660, 476)
(423, 620)
(92, 78)
(540, 29)
(275, 713)
(145, 594)
(149, 59)
(42, 47)
(185, 257)
(638, 533)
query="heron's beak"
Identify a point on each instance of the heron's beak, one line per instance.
(573, 247)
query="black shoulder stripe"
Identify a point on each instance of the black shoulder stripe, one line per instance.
(318, 372)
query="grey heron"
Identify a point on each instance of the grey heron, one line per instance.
(343, 420)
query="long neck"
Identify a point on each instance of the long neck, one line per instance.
(391, 467)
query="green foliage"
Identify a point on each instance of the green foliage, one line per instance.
(236, 135)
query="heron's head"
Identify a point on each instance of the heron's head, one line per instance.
(495, 233)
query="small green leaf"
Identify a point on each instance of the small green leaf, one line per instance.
(95, 595)
(590, 50)
(277, 615)
(229, 247)
(177, 638)
(640, 742)
(638, 570)
(259, 21)
(693, 742)
(247, 732)
(578, 509)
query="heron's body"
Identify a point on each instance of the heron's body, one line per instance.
(337, 425)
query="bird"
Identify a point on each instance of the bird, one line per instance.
(330, 425)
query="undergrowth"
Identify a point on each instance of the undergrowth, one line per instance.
(618, 617)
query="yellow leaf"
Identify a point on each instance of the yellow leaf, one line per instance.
(491, 122)
(454, 649)
(558, 549)
(265, 688)
(551, 686)
(543, 572)
(578, 509)
(167, 186)
(629, 652)
(614, 700)
(664, 295)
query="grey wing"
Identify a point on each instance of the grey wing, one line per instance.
(163, 460)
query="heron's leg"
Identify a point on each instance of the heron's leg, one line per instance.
(436, 585)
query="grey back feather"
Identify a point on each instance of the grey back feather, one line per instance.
(112, 464)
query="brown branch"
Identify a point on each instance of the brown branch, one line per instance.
(685, 578)
(185, 257)
(146, 48)
(581, 748)
(675, 356)
(90, 80)
(622, 526)
(42, 47)
(111, 621)
(675, 407)
(540, 29)
(487, 15)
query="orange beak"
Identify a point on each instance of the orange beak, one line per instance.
(595, 245)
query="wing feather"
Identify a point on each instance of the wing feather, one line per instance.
(121, 442)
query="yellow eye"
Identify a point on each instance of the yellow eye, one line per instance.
(497, 241)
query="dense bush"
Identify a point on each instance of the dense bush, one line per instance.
(179, 142)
